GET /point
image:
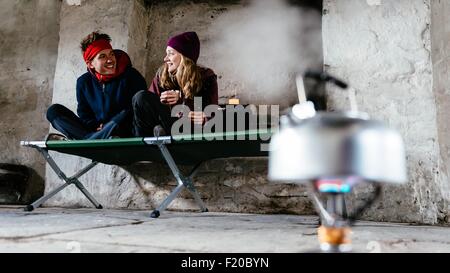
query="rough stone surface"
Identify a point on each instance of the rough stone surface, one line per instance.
(383, 50)
(28, 52)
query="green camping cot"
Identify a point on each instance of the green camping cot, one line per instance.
(191, 150)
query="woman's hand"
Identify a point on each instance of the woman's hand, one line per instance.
(170, 97)
(99, 127)
(197, 117)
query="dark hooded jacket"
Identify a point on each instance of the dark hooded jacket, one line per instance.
(99, 102)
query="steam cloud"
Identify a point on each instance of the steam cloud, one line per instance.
(261, 48)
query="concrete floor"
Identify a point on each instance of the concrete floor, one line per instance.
(90, 230)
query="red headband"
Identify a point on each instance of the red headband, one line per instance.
(94, 48)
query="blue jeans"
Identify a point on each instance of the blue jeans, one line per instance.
(65, 121)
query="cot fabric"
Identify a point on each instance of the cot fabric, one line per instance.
(186, 150)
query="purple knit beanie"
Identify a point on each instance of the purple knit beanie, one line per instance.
(186, 43)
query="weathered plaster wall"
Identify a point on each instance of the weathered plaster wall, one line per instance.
(383, 49)
(255, 47)
(172, 17)
(28, 51)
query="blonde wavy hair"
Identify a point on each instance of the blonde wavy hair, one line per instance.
(187, 77)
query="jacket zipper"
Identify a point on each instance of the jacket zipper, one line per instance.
(103, 97)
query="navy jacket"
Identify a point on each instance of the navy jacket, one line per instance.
(100, 102)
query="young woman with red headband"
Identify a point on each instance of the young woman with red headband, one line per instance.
(104, 93)
(177, 81)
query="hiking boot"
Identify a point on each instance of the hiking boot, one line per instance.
(54, 136)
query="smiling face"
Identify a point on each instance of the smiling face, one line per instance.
(172, 59)
(104, 62)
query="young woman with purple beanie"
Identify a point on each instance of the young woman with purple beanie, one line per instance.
(177, 81)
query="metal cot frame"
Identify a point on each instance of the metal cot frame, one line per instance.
(183, 181)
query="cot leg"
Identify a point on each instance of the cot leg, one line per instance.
(190, 186)
(155, 214)
(167, 201)
(199, 201)
(182, 182)
(68, 180)
(87, 194)
(44, 198)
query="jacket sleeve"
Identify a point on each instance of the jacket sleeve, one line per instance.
(84, 111)
(212, 93)
(154, 87)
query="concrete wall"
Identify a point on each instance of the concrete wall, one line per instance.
(440, 54)
(142, 28)
(383, 49)
(28, 51)
(393, 53)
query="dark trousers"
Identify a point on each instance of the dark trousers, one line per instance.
(65, 121)
(149, 112)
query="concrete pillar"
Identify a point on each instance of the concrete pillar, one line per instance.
(440, 54)
(28, 51)
(383, 49)
(121, 20)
